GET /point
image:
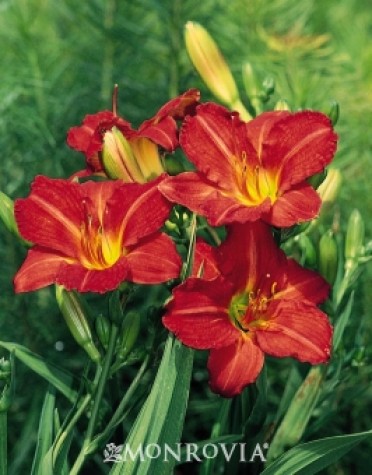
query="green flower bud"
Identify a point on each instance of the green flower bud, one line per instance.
(103, 327)
(73, 312)
(307, 249)
(269, 85)
(7, 213)
(5, 369)
(334, 112)
(328, 257)
(131, 328)
(354, 236)
(7, 393)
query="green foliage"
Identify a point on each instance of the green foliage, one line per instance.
(59, 62)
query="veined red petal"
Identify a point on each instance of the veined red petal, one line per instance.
(193, 191)
(39, 269)
(136, 211)
(198, 314)
(250, 258)
(205, 261)
(233, 367)
(299, 204)
(179, 106)
(76, 277)
(163, 133)
(210, 141)
(296, 329)
(303, 284)
(154, 261)
(258, 133)
(300, 145)
(51, 215)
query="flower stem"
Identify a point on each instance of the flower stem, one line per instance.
(3, 442)
(97, 400)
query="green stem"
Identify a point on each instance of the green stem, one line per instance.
(3, 442)
(71, 424)
(118, 414)
(97, 400)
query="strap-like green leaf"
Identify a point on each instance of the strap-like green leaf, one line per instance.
(161, 418)
(59, 378)
(45, 434)
(310, 458)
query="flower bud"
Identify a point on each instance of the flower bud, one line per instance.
(354, 236)
(334, 112)
(307, 249)
(7, 213)
(329, 188)
(103, 327)
(118, 158)
(328, 257)
(131, 328)
(7, 375)
(73, 312)
(282, 105)
(212, 67)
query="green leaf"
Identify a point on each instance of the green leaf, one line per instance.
(342, 322)
(162, 416)
(59, 378)
(299, 412)
(45, 434)
(310, 458)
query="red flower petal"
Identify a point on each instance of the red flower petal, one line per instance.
(88, 138)
(205, 260)
(51, 215)
(137, 210)
(300, 145)
(179, 106)
(296, 329)
(212, 141)
(233, 367)
(154, 261)
(39, 269)
(297, 205)
(198, 316)
(163, 133)
(303, 284)
(250, 258)
(202, 197)
(77, 277)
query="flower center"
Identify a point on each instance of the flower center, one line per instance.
(255, 183)
(98, 250)
(247, 310)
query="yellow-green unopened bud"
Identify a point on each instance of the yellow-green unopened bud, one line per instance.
(212, 67)
(73, 312)
(329, 188)
(131, 328)
(103, 327)
(118, 158)
(7, 213)
(328, 257)
(354, 236)
(282, 105)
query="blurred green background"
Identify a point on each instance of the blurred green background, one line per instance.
(59, 61)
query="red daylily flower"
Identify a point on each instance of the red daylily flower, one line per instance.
(92, 236)
(255, 170)
(114, 148)
(251, 301)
